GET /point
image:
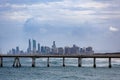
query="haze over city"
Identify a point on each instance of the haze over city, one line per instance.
(82, 22)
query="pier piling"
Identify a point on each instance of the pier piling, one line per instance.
(33, 62)
(110, 63)
(79, 62)
(1, 62)
(94, 62)
(48, 62)
(63, 61)
(16, 62)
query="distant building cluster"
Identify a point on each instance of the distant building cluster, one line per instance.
(36, 48)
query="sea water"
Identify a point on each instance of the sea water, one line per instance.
(57, 72)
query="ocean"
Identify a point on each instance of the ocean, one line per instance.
(57, 72)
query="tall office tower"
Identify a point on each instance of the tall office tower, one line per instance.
(42, 50)
(38, 47)
(82, 50)
(34, 46)
(67, 50)
(47, 50)
(75, 50)
(13, 51)
(89, 50)
(17, 50)
(54, 49)
(53, 46)
(60, 50)
(29, 46)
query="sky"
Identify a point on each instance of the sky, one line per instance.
(82, 22)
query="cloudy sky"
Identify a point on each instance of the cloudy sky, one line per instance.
(85, 23)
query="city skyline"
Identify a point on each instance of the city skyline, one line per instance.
(81, 22)
(35, 47)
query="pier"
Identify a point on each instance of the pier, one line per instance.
(17, 57)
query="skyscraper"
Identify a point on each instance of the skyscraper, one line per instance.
(38, 47)
(54, 49)
(47, 50)
(53, 46)
(13, 51)
(60, 50)
(34, 46)
(29, 46)
(42, 49)
(89, 50)
(67, 50)
(17, 50)
(75, 50)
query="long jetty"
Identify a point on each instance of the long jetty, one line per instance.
(16, 62)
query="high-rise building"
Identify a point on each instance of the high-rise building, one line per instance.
(54, 49)
(38, 47)
(29, 46)
(89, 50)
(13, 51)
(75, 50)
(82, 50)
(34, 46)
(54, 45)
(47, 50)
(67, 50)
(17, 50)
(43, 50)
(60, 50)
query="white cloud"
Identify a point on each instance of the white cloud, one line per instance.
(66, 4)
(19, 16)
(93, 5)
(64, 10)
(71, 11)
(113, 29)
